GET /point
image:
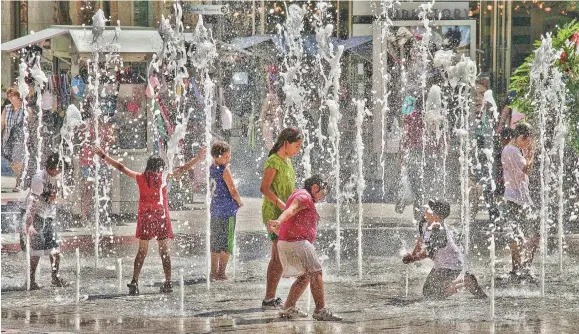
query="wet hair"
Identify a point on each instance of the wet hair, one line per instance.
(153, 170)
(219, 148)
(288, 135)
(507, 134)
(523, 129)
(53, 162)
(439, 208)
(315, 180)
(12, 91)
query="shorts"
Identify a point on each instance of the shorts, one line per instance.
(437, 281)
(521, 220)
(222, 234)
(298, 258)
(87, 172)
(46, 241)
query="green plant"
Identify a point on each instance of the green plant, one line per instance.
(565, 39)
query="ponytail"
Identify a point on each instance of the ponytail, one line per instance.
(289, 135)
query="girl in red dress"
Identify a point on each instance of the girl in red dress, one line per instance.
(153, 217)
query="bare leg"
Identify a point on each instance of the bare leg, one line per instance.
(33, 265)
(515, 256)
(274, 271)
(296, 291)
(317, 288)
(55, 264)
(164, 251)
(214, 265)
(17, 169)
(223, 258)
(140, 259)
(530, 248)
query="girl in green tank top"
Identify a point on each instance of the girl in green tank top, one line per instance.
(277, 184)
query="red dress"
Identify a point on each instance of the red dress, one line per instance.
(153, 218)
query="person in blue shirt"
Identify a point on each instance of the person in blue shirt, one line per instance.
(225, 201)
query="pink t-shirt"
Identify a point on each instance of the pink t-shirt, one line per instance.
(304, 224)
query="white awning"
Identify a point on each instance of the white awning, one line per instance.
(129, 41)
(37, 37)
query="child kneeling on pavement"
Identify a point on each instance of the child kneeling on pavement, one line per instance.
(296, 229)
(437, 243)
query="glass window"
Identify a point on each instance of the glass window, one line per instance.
(141, 9)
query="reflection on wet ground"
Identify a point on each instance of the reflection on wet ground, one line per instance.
(376, 304)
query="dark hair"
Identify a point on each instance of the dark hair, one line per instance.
(289, 135)
(523, 129)
(53, 161)
(219, 148)
(507, 134)
(315, 180)
(439, 208)
(155, 166)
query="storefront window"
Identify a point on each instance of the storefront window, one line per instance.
(141, 13)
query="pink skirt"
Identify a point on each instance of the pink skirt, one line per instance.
(298, 258)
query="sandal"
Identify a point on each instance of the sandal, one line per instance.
(133, 288)
(59, 282)
(167, 287)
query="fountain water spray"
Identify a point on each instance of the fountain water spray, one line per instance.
(77, 281)
(120, 273)
(548, 94)
(202, 58)
(361, 113)
(181, 291)
(330, 95)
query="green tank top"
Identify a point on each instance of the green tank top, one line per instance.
(283, 185)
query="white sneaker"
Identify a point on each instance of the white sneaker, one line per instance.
(292, 312)
(325, 315)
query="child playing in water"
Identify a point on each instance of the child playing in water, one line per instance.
(277, 184)
(437, 243)
(39, 216)
(296, 229)
(153, 217)
(225, 201)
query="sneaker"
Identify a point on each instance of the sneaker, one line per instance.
(274, 304)
(473, 286)
(292, 312)
(133, 288)
(167, 287)
(58, 282)
(325, 315)
(528, 277)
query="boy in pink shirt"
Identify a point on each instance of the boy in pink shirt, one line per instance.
(296, 228)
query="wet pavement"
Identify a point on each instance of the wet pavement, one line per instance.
(377, 303)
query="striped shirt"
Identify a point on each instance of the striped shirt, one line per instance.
(13, 118)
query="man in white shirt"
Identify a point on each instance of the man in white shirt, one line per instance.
(517, 160)
(39, 216)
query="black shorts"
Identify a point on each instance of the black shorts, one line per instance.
(437, 281)
(523, 224)
(45, 241)
(222, 234)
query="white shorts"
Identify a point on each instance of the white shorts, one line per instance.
(298, 258)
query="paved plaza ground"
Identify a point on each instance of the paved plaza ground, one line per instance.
(376, 303)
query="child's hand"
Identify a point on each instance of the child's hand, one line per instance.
(273, 226)
(239, 203)
(98, 151)
(202, 151)
(408, 258)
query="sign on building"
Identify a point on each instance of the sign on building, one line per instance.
(206, 9)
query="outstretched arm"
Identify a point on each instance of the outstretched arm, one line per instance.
(188, 165)
(122, 168)
(231, 186)
(295, 207)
